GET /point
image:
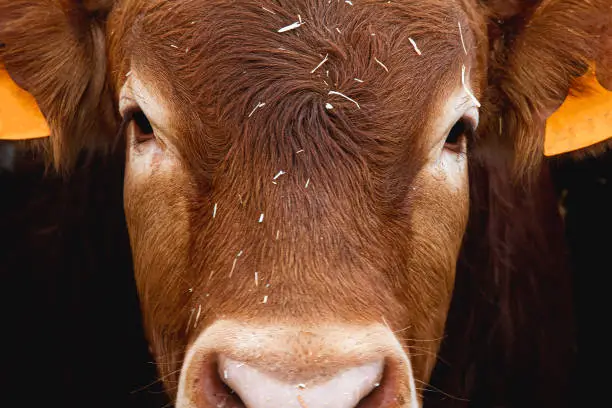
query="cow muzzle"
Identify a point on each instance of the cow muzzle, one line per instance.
(235, 365)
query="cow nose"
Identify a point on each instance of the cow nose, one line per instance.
(257, 389)
(234, 365)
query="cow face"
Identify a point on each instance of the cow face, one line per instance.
(294, 197)
(296, 182)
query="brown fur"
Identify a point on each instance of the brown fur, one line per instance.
(361, 243)
(354, 170)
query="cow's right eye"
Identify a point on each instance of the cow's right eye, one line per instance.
(461, 132)
(456, 133)
(456, 138)
(143, 131)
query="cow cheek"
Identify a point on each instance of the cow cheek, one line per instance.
(157, 218)
(438, 222)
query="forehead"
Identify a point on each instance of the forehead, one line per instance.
(215, 62)
(217, 47)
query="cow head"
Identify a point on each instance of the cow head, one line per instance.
(296, 183)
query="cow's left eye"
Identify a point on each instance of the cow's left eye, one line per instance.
(143, 131)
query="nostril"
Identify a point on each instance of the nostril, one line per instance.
(213, 390)
(348, 388)
(385, 392)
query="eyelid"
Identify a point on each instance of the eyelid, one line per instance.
(127, 104)
(472, 117)
(470, 126)
(130, 107)
(125, 121)
(128, 114)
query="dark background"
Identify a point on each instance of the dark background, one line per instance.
(71, 324)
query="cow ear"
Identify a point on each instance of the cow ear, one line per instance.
(534, 63)
(582, 126)
(55, 50)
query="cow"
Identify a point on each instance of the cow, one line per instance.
(305, 179)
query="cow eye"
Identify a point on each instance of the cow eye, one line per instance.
(456, 138)
(143, 131)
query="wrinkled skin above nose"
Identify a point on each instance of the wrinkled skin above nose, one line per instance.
(233, 365)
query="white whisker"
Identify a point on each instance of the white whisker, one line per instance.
(197, 316)
(461, 35)
(292, 26)
(320, 63)
(259, 105)
(233, 267)
(465, 87)
(345, 97)
(415, 46)
(381, 64)
(189, 321)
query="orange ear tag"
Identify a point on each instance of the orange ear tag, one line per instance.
(20, 117)
(582, 120)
